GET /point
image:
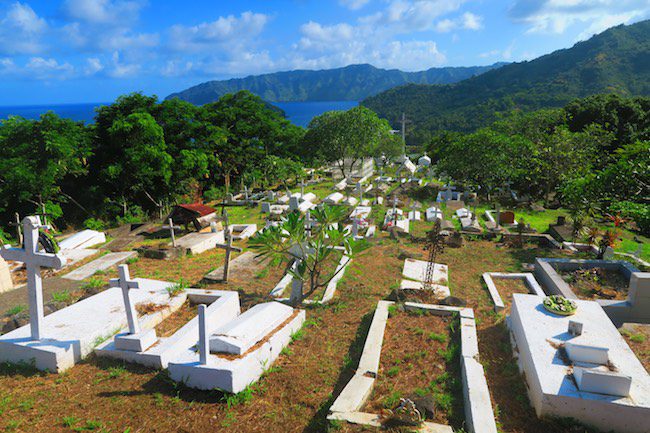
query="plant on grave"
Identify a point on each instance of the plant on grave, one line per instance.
(292, 241)
(602, 240)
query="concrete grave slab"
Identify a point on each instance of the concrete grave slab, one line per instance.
(222, 307)
(334, 198)
(233, 375)
(239, 335)
(242, 231)
(198, 242)
(416, 270)
(82, 239)
(433, 213)
(470, 225)
(537, 337)
(73, 332)
(361, 212)
(102, 263)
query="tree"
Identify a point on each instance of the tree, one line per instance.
(345, 137)
(314, 252)
(252, 128)
(144, 166)
(577, 194)
(41, 162)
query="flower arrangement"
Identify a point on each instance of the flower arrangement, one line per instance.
(560, 305)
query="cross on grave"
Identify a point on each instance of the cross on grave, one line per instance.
(204, 343)
(170, 225)
(227, 246)
(34, 261)
(302, 189)
(125, 283)
(17, 224)
(308, 222)
(355, 227)
(360, 190)
(245, 193)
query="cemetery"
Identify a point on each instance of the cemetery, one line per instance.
(321, 306)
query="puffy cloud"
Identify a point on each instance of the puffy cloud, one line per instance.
(93, 66)
(103, 11)
(555, 16)
(467, 21)
(42, 68)
(317, 36)
(353, 4)
(225, 30)
(410, 16)
(21, 30)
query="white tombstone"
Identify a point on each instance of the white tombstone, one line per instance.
(424, 161)
(334, 198)
(33, 260)
(433, 213)
(245, 331)
(266, 207)
(135, 340)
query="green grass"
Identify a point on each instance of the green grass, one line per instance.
(63, 296)
(16, 310)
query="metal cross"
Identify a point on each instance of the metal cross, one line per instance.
(34, 261)
(125, 283)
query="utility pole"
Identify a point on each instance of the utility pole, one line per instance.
(403, 121)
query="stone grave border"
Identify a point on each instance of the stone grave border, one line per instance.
(222, 306)
(636, 308)
(479, 414)
(330, 290)
(529, 279)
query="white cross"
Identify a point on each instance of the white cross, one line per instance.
(246, 192)
(204, 344)
(125, 283)
(302, 188)
(34, 260)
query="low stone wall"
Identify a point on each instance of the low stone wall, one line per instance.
(636, 308)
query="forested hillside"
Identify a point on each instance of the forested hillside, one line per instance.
(351, 83)
(615, 61)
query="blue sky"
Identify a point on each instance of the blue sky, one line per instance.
(67, 51)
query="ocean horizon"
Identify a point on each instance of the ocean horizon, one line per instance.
(300, 113)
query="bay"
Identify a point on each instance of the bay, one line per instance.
(299, 113)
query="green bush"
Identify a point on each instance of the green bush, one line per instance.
(637, 212)
(94, 224)
(214, 193)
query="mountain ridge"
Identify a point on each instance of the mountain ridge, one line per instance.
(348, 83)
(614, 61)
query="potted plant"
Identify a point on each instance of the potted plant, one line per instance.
(557, 304)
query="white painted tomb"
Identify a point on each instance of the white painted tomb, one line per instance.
(222, 307)
(242, 231)
(433, 213)
(239, 335)
(198, 242)
(416, 270)
(609, 397)
(334, 198)
(73, 332)
(350, 201)
(231, 373)
(401, 222)
(341, 185)
(415, 215)
(82, 239)
(463, 213)
(361, 212)
(100, 264)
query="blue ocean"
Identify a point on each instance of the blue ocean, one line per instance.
(300, 113)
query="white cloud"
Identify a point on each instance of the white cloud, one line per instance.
(504, 54)
(225, 30)
(353, 4)
(42, 68)
(555, 16)
(21, 30)
(119, 69)
(93, 66)
(103, 11)
(319, 37)
(410, 16)
(468, 21)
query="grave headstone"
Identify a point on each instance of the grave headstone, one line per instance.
(34, 261)
(294, 203)
(227, 246)
(507, 217)
(266, 207)
(125, 283)
(575, 328)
